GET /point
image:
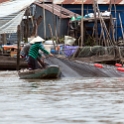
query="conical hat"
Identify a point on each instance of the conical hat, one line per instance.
(36, 39)
(30, 39)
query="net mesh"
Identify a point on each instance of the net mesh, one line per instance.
(71, 68)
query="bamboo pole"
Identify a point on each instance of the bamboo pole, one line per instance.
(121, 27)
(110, 6)
(4, 39)
(82, 24)
(104, 26)
(53, 17)
(102, 34)
(30, 21)
(115, 22)
(54, 24)
(27, 14)
(18, 47)
(96, 27)
(51, 33)
(44, 21)
(26, 26)
(112, 29)
(59, 28)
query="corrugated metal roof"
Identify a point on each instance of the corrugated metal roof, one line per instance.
(11, 14)
(9, 24)
(57, 9)
(85, 1)
(14, 6)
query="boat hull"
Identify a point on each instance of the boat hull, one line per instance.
(52, 71)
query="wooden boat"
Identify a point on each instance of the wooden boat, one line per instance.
(9, 63)
(8, 60)
(51, 71)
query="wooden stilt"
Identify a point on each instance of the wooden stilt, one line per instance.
(51, 33)
(112, 30)
(105, 28)
(18, 47)
(121, 27)
(82, 24)
(96, 28)
(53, 17)
(3, 38)
(59, 25)
(27, 24)
(115, 22)
(44, 21)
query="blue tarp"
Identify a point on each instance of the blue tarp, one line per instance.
(69, 50)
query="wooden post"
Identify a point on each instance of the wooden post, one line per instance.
(121, 27)
(18, 47)
(110, 6)
(44, 21)
(104, 26)
(51, 33)
(4, 39)
(82, 24)
(53, 17)
(27, 24)
(25, 30)
(59, 28)
(112, 29)
(54, 22)
(116, 22)
(96, 28)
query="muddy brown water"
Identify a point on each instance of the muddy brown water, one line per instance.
(69, 100)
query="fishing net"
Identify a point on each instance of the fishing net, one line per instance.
(71, 68)
(92, 51)
(89, 51)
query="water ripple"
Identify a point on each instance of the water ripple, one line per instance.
(63, 101)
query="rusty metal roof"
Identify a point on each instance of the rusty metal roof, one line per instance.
(85, 1)
(45, 0)
(1, 1)
(58, 10)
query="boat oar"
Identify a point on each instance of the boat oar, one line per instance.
(41, 62)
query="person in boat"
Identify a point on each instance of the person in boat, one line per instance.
(25, 50)
(34, 52)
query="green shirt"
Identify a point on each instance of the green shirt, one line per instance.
(34, 50)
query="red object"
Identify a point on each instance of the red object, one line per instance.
(98, 65)
(118, 65)
(120, 69)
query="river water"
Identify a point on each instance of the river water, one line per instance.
(62, 101)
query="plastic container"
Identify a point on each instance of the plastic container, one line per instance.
(69, 40)
(53, 51)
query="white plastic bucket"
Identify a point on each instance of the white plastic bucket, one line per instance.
(68, 40)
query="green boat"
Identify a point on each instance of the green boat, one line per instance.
(51, 71)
